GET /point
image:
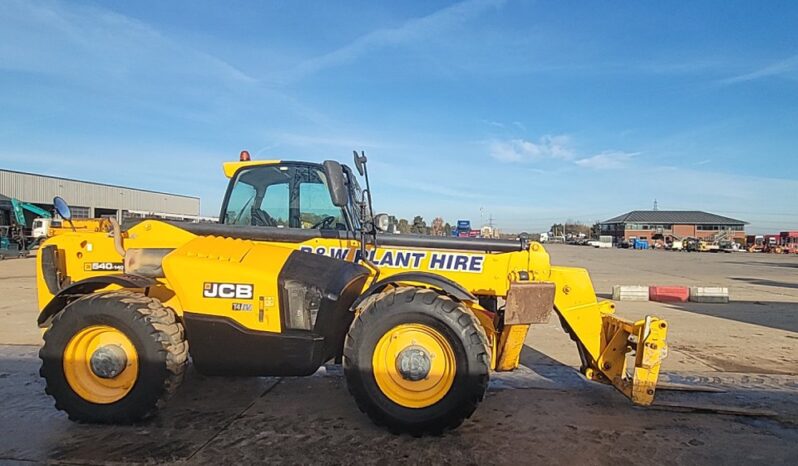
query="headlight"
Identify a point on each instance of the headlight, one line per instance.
(302, 305)
(381, 222)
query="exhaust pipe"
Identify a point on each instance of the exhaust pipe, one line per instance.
(117, 234)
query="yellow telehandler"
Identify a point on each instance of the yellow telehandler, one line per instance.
(296, 273)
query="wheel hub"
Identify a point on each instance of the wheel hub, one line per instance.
(101, 364)
(413, 363)
(108, 361)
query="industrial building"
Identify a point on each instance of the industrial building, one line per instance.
(672, 225)
(89, 199)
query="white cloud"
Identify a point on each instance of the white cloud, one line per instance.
(413, 30)
(607, 160)
(778, 68)
(521, 150)
(65, 39)
(496, 124)
(124, 61)
(557, 147)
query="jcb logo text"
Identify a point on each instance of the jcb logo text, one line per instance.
(228, 290)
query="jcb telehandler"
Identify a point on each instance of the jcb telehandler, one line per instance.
(296, 274)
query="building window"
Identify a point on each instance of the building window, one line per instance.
(719, 227)
(79, 212)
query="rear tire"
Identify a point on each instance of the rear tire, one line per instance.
(457, 337)
(144, 326)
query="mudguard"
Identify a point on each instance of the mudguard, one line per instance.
(451, 287)
(90, 285)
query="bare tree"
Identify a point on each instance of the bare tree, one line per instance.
(437, 227)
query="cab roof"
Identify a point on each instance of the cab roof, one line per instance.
(230, 168)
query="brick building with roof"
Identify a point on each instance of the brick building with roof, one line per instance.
(670, 225)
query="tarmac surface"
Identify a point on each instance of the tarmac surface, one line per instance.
(732, 373)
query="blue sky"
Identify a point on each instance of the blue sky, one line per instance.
(535, 111)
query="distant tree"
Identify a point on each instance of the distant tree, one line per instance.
(437, 227)
(403, 226)
(447, 229)
(419, 225)
(577, 228)
(571, 227)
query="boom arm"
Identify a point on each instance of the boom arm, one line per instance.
(18, 207)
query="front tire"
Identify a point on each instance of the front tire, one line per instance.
(113, 357)
(416, 361)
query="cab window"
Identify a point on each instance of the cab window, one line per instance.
(239, 205)
(275, 203)
(284, 196)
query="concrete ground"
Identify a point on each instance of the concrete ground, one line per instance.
(545, 412)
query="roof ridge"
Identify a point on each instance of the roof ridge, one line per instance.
(674, 216)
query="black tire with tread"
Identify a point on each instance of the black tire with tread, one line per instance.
(452, 319)
(153, 329)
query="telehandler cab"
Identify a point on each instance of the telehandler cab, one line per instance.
(296, 274)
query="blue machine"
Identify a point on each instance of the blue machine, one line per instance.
(463, 228)
(7, 247)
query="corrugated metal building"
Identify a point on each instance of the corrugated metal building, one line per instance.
(88, 199)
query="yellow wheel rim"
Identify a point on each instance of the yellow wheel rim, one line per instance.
(414, 365)
(99, 340)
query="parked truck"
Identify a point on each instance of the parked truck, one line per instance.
(755, 243)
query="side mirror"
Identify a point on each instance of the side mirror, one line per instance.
(62, 208)
(336, 183)
(381, 222)
(360, 162)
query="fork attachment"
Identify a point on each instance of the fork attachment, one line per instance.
(604, 340)
(646, 338)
